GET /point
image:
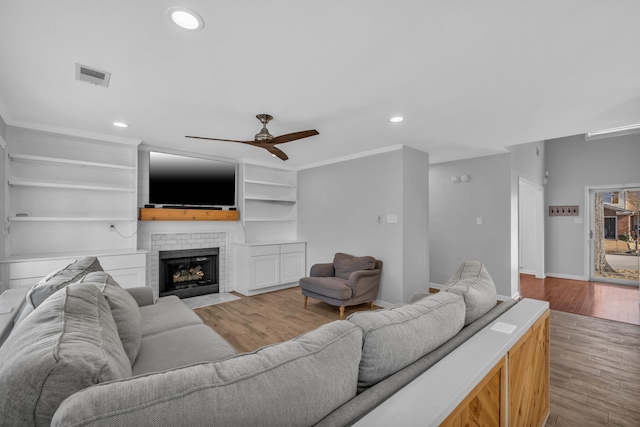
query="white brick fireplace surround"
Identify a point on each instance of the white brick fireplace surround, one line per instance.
(156, 241)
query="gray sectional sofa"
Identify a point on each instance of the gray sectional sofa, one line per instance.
(84, 352)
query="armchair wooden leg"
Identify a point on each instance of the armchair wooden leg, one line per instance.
(305, 301)
(371, 305)
(342, 313)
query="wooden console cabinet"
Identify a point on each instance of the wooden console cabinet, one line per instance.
(517, 387)
(493, 379)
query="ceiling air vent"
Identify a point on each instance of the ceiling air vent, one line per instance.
(92, 75)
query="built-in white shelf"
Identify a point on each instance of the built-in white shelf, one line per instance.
(41, 184)
(55, 160)
(269, 183)
(268, 202)
(271, 199)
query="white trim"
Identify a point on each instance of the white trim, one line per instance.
(515, 296)
(74, 132)
(567, 276)
(351, 157)
(383, 304)
(588, 220)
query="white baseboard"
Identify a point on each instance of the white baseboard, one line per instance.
(529, 272)
(382, 304)
(567, 276)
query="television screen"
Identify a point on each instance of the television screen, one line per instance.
(183, 180)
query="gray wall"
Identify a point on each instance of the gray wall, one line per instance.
(3, 132)
(338, 209)
(3, 144)
(574, 164)
(454, 234)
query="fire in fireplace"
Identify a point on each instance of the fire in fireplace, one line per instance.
(188, 273)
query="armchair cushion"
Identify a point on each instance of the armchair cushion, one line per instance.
(345, 264)
(332, 287)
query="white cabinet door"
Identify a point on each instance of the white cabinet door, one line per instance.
(265, 271)
(292, 267)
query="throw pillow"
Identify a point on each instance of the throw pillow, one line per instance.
(397, 337)
(70, 342)
(472, 281)
(61, 278)
(124, 310)
(345, 264)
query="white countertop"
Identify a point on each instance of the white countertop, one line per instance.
(430, 398)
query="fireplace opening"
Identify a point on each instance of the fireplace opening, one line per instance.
(188, 273)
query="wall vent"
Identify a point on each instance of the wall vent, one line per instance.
(92, 75)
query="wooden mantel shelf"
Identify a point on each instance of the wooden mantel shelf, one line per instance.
(159, 214)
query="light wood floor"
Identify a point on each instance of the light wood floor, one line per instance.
(595, 372)
(253, 322)
(603, 300)
(595, 363)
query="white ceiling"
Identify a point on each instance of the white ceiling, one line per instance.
(470, 77)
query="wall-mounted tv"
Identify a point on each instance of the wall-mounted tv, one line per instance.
(177, 180)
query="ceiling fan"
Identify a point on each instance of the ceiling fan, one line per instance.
(264, 139)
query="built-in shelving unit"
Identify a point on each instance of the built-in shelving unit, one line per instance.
(65, 191)
(268, 203)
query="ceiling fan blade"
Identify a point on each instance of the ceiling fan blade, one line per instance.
(293, 136)
(218, 139)
(275, 151)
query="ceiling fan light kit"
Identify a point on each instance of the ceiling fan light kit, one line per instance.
(264, 139)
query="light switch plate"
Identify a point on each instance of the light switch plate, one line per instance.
(392, 219)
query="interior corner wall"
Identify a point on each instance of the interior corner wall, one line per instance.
(454, 212)
(574, 164)
(3, 177)
(415, 226)
(338, 209)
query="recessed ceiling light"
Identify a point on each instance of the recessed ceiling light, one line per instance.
(120, 124)
(185, 18)
(396, 119)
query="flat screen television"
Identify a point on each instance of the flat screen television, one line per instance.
(177, 180)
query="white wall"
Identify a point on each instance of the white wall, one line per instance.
(338, 209)
(527, 163)
(454, 234)
(574, 164)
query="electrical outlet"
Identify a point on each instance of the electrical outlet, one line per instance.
(112, 227)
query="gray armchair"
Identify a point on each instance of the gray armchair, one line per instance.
(347, 281)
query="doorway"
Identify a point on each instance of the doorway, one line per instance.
(531, 228)
(614, 225)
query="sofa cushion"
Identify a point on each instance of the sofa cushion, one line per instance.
(68, 343)
(294, 383)
(166, 314)
(472, 281)
(166, 350)
(124, 310)
(61, 278)
(345, 264)
(397, 337)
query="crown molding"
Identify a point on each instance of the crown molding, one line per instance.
(352, 157)
(73, 132)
